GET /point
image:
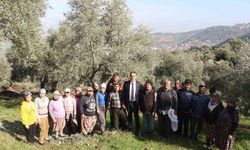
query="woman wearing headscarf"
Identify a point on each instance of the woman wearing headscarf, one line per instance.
(101, 101)
(57, 113)
(226, 126)
(166, 99)
(29, 117)
(147, 106)
(42, 103)
(214, 108)
(70, 111)
(88, 111)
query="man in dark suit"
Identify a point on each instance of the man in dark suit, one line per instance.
(131, 94)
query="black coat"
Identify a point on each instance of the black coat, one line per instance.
(126, 89)
(166, 100)
(226, 124)
(211, 117)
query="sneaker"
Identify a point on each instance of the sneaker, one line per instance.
(62, 135)
(84, 133)
(56, 136)
(29, 143)
(41, 143)
(210, 147)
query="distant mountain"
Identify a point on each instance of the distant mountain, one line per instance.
(210, 36)
(246, 37)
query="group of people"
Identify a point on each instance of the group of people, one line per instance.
(124, 100)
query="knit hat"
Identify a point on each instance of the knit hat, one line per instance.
(217, 93)
(56, 93)
(202, 84)
(25, 94)
(103, 85)
(42, 91)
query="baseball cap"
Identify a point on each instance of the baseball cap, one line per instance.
(67, 90)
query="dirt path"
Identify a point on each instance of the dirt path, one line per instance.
(244, 127)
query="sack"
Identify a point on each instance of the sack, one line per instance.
(75, 121)
(73, 124)
(163, 112)
(174, 119)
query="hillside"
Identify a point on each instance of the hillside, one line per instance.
(209, 36)
(12, 137)
(246, 37)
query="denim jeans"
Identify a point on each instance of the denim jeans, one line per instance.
(148, 123)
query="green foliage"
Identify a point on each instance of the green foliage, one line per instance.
(98, 38)
(231, 76)
(20, 24)
(203, 53)
(239, 80)
(95, 41)
(180, 66)
(228, 50)
(225, 54)
(226, 66)
(217, 72)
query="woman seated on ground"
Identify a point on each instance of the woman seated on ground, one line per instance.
(87, 109)
(57, 113)
(29, 117)
(226, 126)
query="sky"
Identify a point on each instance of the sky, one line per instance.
(168, 15)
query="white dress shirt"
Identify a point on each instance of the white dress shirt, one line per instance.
(132, 94)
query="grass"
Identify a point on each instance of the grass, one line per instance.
(245, 120)
(12, 137)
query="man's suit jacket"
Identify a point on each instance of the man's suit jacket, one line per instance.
(126, 89)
